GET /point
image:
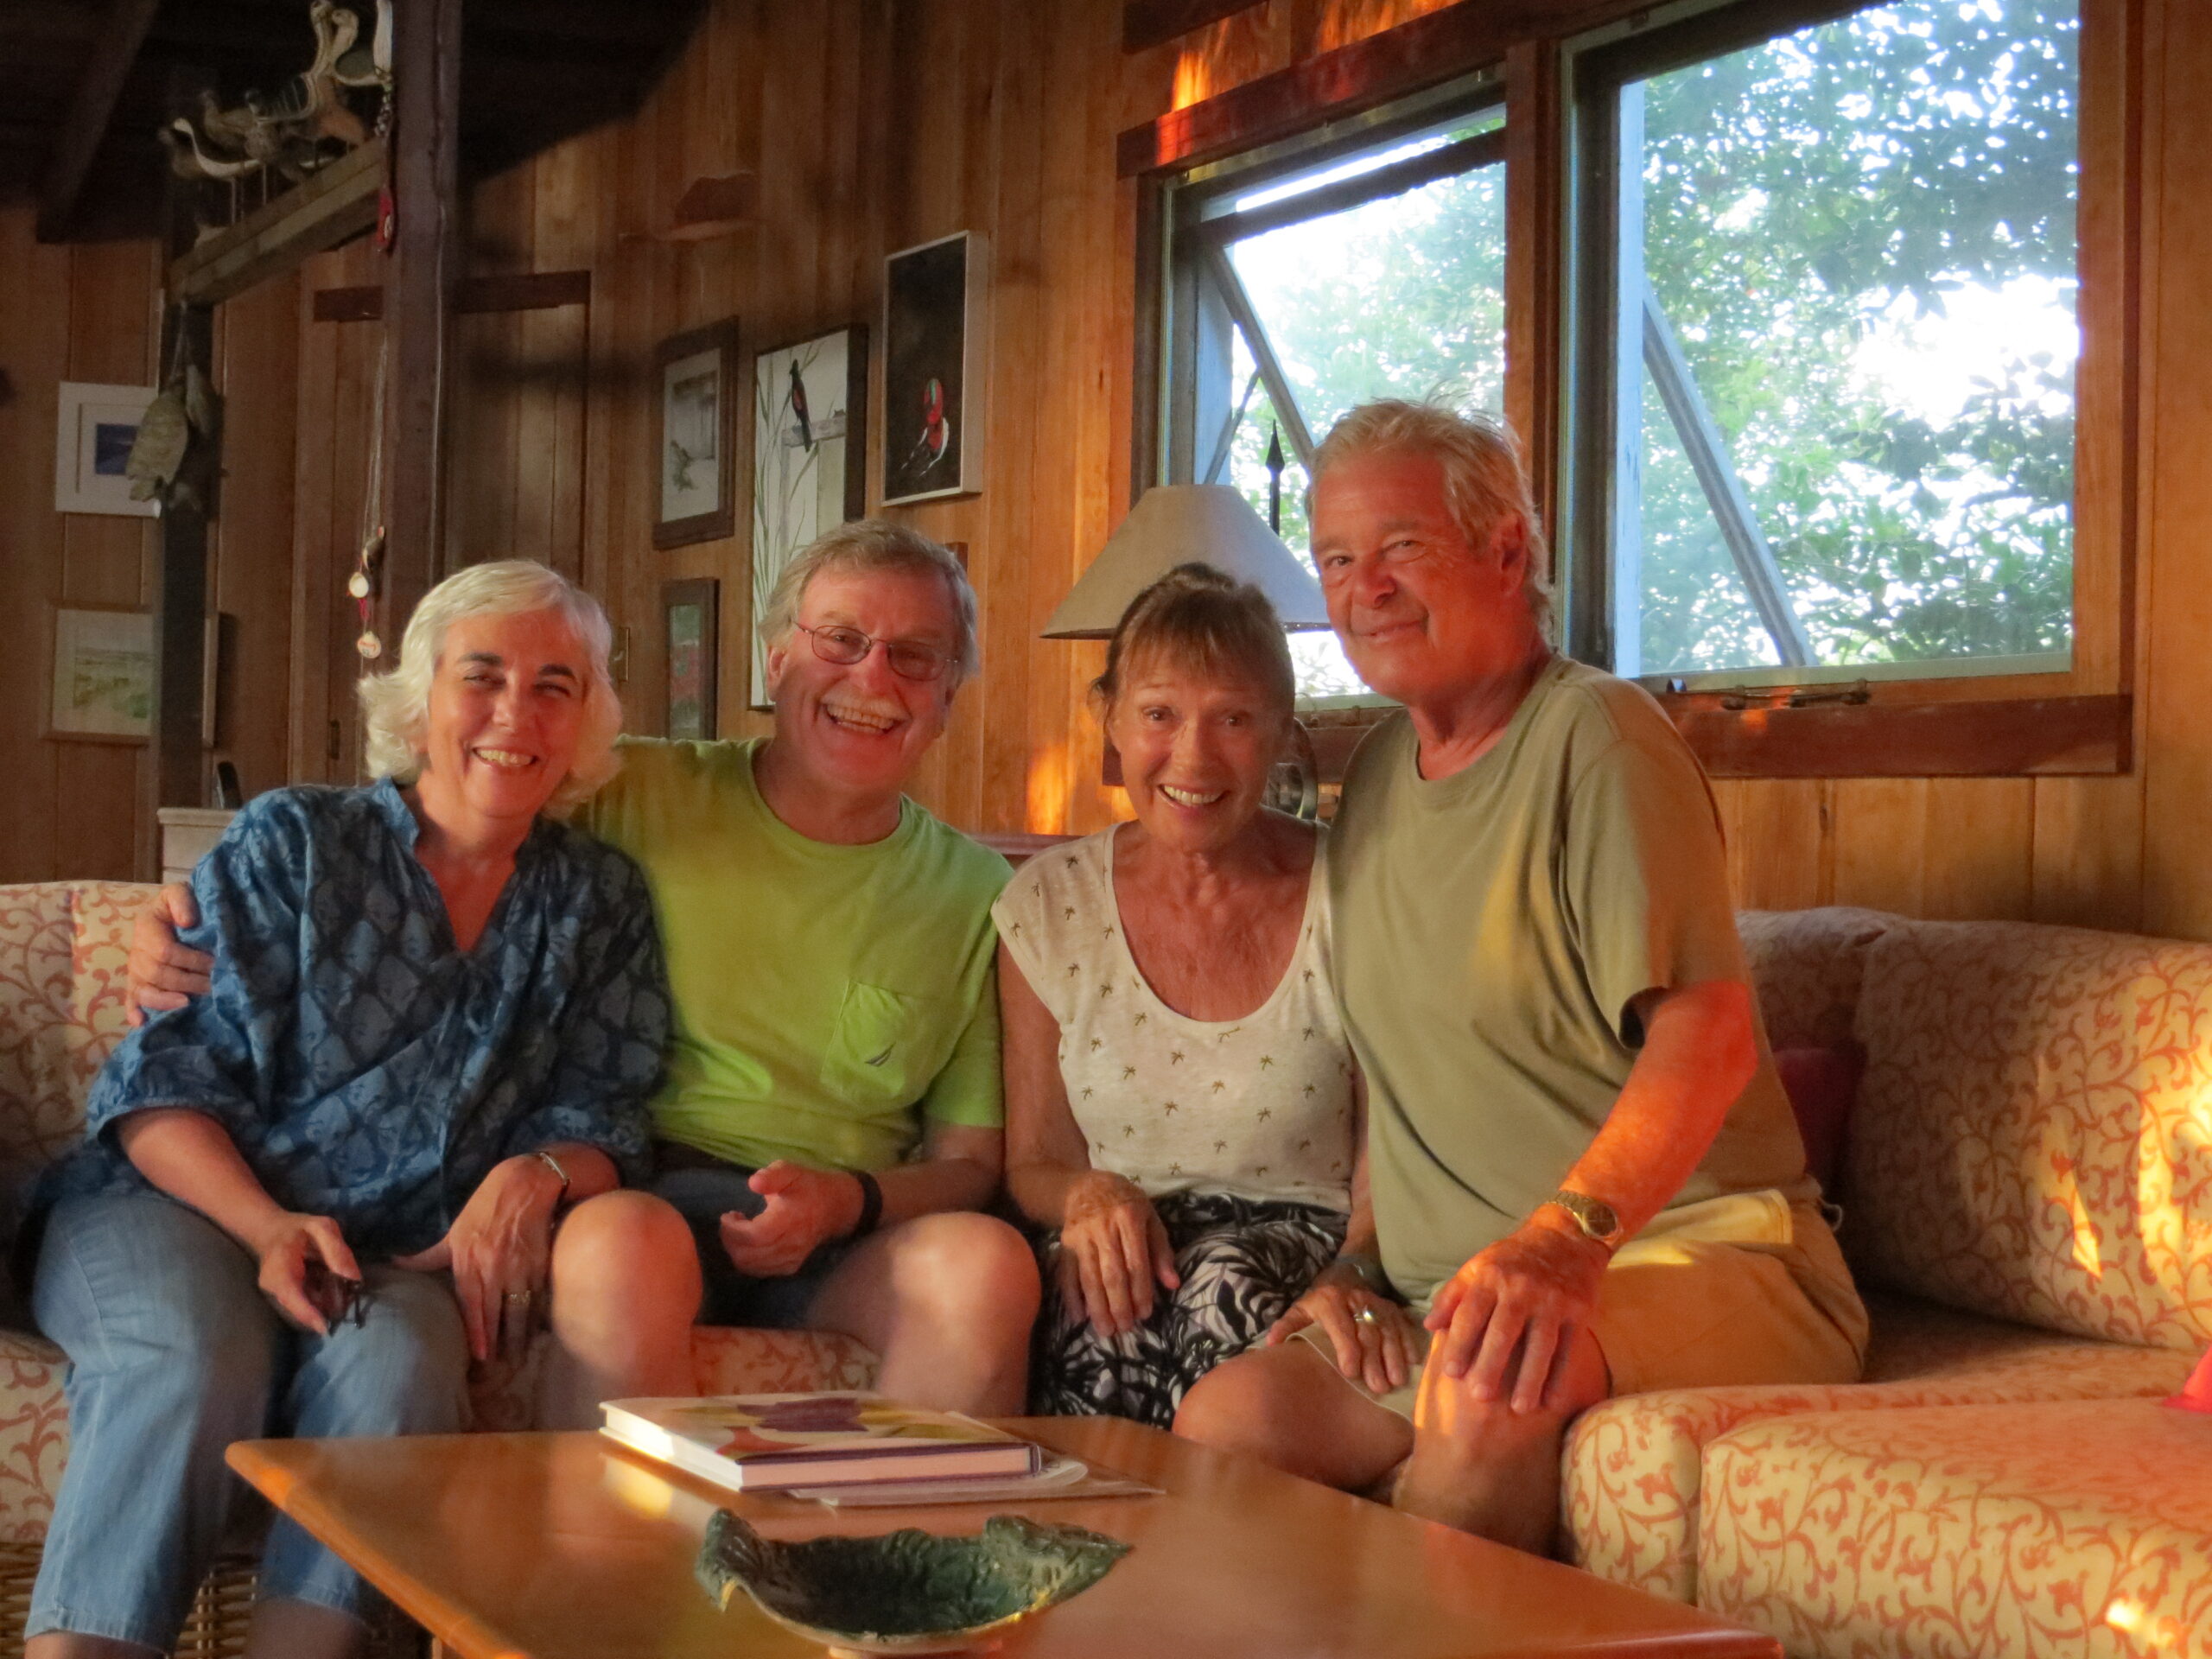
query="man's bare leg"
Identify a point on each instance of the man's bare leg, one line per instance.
(946, 1301)
(1484, 1468)
(626, 1290)
(1291, 1407)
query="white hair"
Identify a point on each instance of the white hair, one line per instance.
(874, 545)
(396, 707)
(1484, 479)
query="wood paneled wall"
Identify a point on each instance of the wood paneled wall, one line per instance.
(68, 314)
(875, 124)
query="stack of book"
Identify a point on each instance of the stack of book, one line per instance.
(777, 1442)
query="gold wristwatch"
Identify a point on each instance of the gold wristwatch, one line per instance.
(1593, 1215)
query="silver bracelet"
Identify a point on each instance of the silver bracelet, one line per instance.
(553, 1164)
(1368, 1269)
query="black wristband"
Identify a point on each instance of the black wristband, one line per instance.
(871, 1205)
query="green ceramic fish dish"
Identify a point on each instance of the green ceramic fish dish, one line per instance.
(908, 1592)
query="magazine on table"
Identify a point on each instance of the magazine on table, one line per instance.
(771, 1442)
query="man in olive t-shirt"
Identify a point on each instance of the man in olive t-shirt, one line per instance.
(1585, 1178)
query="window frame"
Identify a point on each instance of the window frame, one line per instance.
(2081, 721)
(1749, 723)
(1198, 317)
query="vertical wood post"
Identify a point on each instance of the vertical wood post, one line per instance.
(178, 775)
(425, 179)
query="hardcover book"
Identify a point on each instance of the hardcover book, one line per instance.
(765, 1442)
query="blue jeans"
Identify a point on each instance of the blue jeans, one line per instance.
(703, 1196)
(175, 1354)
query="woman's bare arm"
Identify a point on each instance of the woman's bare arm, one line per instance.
(1045, 1152)
(193, 1159)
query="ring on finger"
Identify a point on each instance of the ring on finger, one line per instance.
(523, 1297)
(1366, 1316)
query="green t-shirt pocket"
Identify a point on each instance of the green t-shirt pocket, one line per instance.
(887, 1045)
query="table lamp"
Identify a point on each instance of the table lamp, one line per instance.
(1174, 524)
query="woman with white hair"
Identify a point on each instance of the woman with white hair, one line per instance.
(305, 1198)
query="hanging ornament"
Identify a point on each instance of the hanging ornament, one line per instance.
(362, 584)
(1274, 480)
(368, 566)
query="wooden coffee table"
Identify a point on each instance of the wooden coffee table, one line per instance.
(563, 1546)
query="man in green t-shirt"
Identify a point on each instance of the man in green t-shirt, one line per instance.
(830, 1117)
(1585, 1176)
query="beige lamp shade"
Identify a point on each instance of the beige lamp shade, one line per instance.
(1176, 524)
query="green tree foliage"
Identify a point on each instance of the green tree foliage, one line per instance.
(1802, 199)
(1847, 188)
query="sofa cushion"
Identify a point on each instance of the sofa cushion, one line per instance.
(1807, 966)
(1822, 1085)
(2076, 1527)
(1634, 1467)
(34, 1434)
(2030, 1137)
(62, 951)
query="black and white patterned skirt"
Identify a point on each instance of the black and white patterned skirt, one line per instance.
(1243, 1262)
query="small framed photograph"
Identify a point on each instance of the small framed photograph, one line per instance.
(933, 337)
(92, 437)
(810, 441)
(102, 690)
(697, 499)
(692, 630)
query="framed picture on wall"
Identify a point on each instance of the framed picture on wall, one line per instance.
(692, 631)
(810, 441)
(933, 334)
(92, 437)
(102, 687)
(693, 437)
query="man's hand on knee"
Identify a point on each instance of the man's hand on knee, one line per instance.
(1507, 1320)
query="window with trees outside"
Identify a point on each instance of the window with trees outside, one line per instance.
(1317, 276)
(1825, 320)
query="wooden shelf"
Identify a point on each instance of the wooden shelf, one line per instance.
(336, 205)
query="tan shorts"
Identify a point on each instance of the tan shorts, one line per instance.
(1710, 1297)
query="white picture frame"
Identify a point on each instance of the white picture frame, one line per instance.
(94, 428)
(101, 686)
(810, 444)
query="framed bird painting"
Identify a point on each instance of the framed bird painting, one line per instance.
(697, 500)
(810, 441)
(933, 337)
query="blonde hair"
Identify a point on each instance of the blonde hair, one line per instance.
(874, 545)
(1484, 479)
(396, 707)
(1196, 616)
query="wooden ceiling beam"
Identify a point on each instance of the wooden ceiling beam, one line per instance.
(1154, 22)
(115, 48)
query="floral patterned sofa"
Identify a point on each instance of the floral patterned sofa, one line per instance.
(62, 946)
(2027, 1194)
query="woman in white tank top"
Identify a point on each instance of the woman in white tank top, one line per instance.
(1182, 1109)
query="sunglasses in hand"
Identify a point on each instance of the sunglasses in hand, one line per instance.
(341, 1300)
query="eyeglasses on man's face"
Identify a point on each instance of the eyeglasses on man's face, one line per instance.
(910, 659)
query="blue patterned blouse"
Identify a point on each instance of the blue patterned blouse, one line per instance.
(368, 1069)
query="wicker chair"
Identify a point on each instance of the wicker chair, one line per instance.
(215, 1630)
